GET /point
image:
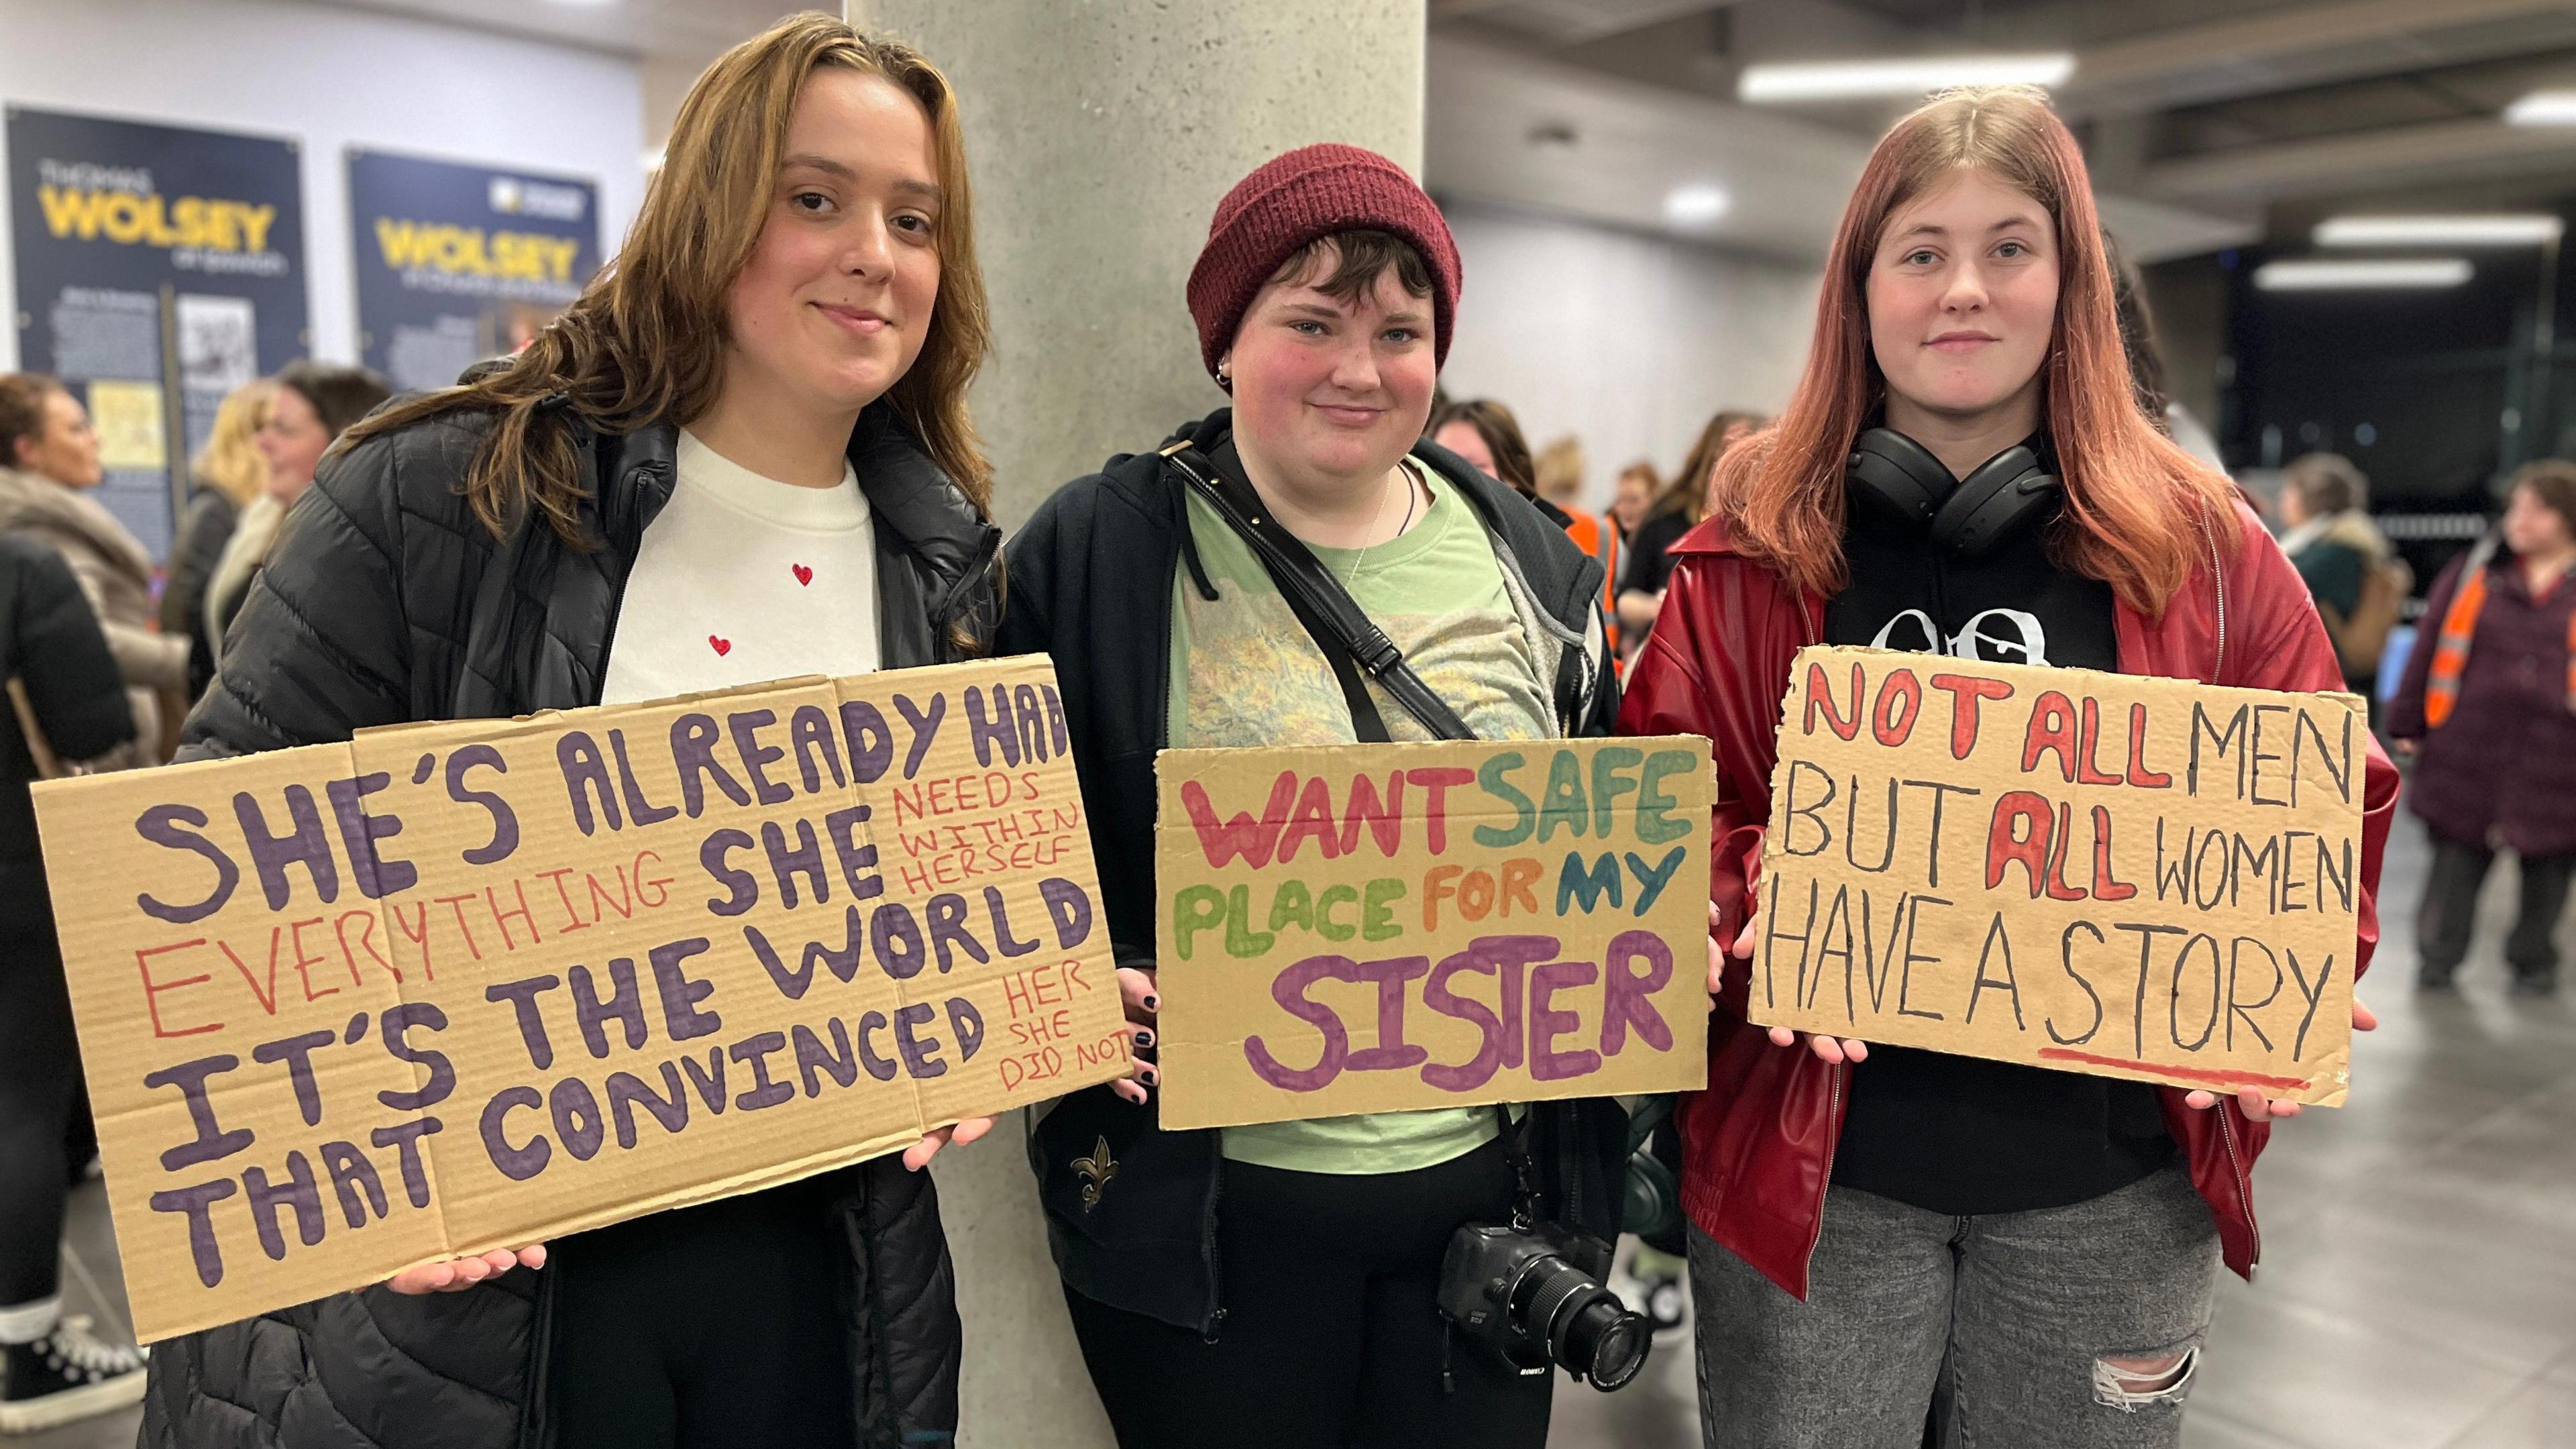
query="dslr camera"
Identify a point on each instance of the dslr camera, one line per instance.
(1533, 1293)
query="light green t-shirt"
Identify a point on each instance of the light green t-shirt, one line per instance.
(1245, 672)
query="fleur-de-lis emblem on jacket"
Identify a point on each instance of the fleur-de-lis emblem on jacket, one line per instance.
(1095, 1170)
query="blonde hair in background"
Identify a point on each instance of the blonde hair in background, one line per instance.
(1560, 467)
(230, 463)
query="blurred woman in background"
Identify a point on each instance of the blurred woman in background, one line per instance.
(1485, 433)
(2488, 707)
(229, 476)
(2339, 553)
(1638, 487)
(1675, 512)
(48, 467)
(309, 406)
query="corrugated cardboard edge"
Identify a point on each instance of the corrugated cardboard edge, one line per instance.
(61, 795)
(2334, 1072)
(1693, 1065)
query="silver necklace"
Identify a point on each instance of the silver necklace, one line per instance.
(1410, 500)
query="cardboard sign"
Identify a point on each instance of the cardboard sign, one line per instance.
(2107, 873)
(453, 987)
(1374, 928)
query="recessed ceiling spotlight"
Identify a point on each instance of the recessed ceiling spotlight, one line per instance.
(2491, 230)
(1696, 204)
(1846, 80)
(2324, 276)
(2543, 108)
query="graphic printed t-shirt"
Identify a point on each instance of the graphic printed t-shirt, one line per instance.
(1244, 672)
(1960, 1134)
(743, 579)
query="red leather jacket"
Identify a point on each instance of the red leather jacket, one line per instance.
(1758, 1143)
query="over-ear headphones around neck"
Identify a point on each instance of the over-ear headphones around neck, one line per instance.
(1968, 516)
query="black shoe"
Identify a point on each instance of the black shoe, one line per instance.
(66, 1375)
(2435, 978)
(2536, 983)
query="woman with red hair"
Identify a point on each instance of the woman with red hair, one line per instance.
(1875, 1230)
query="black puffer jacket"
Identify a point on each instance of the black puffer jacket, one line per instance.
(50, 643)
(385, 601)
(203, 532)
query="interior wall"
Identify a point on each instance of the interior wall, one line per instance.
(329, 78)
(1625, 340)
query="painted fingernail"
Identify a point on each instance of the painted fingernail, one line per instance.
(1144, 1038)
(1149, 1076)
(1153, 1003)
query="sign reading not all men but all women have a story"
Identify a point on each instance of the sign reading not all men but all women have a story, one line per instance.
(2145, 878)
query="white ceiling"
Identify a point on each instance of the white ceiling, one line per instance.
(1497, 119)
(646, 28)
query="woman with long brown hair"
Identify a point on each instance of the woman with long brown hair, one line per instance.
(1874, 1230)
(1674, 512)
(743, 454)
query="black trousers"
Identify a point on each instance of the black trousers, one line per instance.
(1330, 1337)
(2444, 921)
(39, 1074)
(714, 1327)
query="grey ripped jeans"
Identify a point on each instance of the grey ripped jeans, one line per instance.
(2007, 1317)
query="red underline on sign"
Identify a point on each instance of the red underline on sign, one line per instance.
(2197, 1074)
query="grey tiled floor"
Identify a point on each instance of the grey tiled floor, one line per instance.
(2418, 1288)
(2418, 1284)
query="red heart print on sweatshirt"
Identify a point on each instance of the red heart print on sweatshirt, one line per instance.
(722, 646)
(803, 574)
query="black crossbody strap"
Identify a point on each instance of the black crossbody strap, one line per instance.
(1351, 642)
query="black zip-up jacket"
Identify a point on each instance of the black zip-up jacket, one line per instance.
(1091, 580)
(385, 601)
(50, 643)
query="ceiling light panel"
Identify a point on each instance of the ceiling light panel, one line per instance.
(1847, 80)
(2331, 276)
(2492, 230)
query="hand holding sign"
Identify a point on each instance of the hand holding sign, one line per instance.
(2136, 877)
(402, 1009)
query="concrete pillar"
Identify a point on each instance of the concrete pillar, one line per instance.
(1102, 133)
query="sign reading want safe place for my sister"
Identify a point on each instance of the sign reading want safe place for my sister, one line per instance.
(1371, 928)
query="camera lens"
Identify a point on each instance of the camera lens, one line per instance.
(1584, 1325)
(1605, 1342)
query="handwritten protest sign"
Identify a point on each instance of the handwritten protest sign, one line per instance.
(2106, 873)
(1370, 928)
(460, 986)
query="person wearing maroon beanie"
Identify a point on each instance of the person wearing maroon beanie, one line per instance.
(1274, 1284)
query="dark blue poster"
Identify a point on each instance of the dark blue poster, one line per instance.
(157, 269)
(458, 263)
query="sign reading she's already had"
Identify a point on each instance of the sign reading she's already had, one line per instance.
(2136, 877)
(1371, 928)
(453, 987)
